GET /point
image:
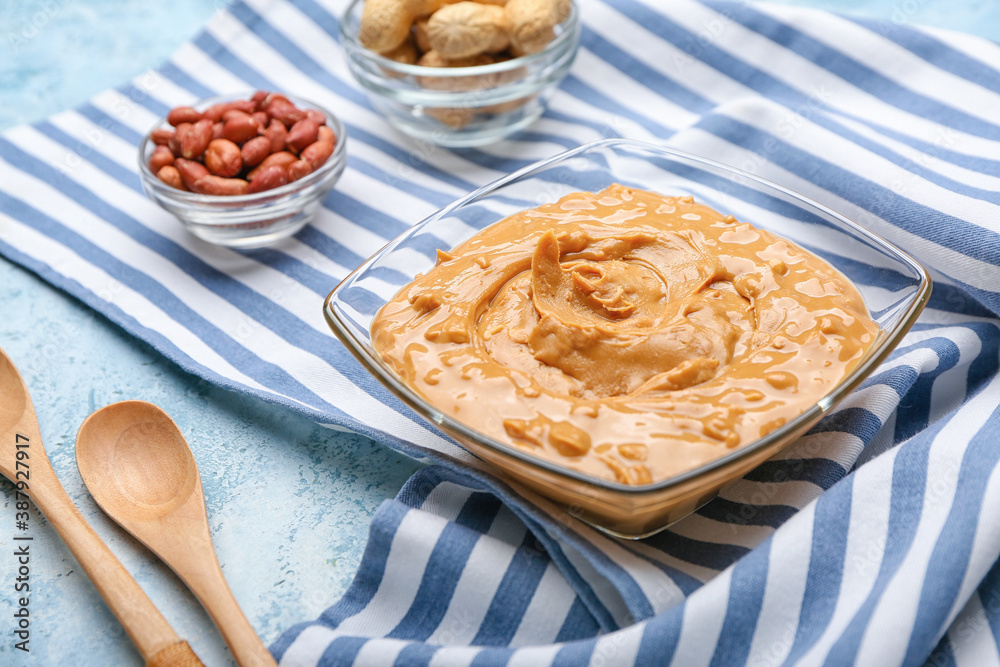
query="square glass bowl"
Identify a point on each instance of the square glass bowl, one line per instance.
(895, 288)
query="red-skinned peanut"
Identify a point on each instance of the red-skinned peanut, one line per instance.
(317, 153)
(302, 134)
(175, 140)
(196, 141)
(217, 185)
(180, 115)
(282, 159)
(190, 171)
(161, 157)
(326, 134)
(286, 112)
(223, 158)
(316, 116)
(277, 134)
(269, 178)
(169, 175)
(161, 136)
(256, 150)
(299, 169)
(240, 129)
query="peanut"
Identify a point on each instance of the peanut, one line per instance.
(217, 130)
(434, 59)
(405, 53)
(196, 141)
(467, 28)
(262, 119)
(213, 113)
(256, 150)
(531, 23)
(276, 134)
(161, 157)
(161, 136)
(174, 141)
(316, 116)
(217, 185)
(286, 112)
(453, 117)
(302, 134)
(180, 115)
(272, 98)
(318, 153)
(386, 23)
(223, 158)
(258, 99)
(171, 177)
(420, 36)
(240, 128)
(299, 169)
(216, 111)
(190, 171)
(269, 178)
(326, 134)
(233, 113)
(282, 159)
(246, 106)
(455, 83)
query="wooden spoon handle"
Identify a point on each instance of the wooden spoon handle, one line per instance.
(175, 655)
(143, 622)
(209, 585)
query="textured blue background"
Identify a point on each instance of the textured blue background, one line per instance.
(289, 503)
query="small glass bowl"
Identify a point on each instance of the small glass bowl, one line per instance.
(460, 106)
(247, 221)
(895, 288)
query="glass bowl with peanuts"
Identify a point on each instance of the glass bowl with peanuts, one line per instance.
(463, 73)
(244, 170)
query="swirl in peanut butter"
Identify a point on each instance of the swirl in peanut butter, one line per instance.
(624, 334)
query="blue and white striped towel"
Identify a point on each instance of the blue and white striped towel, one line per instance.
(874, 539)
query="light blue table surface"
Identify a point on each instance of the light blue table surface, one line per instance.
(288, 502)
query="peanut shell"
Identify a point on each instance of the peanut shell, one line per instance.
(467, 28)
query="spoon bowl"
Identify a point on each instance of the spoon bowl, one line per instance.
(145, 482)
(139, 468)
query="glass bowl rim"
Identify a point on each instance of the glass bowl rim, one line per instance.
(295, 187)
(872, 359)
(571, 23)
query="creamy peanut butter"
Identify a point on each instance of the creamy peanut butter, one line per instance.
(625, 334)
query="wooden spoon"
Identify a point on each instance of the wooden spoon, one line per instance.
(23, 461)
(140, 470)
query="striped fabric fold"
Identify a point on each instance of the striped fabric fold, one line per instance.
(872, 540)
